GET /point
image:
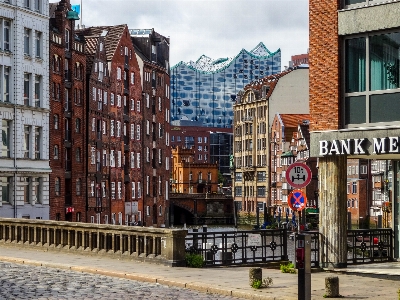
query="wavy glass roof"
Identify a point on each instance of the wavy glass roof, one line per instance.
(209, 65)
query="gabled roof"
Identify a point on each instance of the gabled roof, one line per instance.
(290, 123)
(305, 133)
(112, 36)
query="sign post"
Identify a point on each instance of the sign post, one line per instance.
(303, 264)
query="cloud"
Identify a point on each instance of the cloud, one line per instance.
(217, 28)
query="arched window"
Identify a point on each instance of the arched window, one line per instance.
(57, 186)
(55, 152)
(78, 154)
(56, 120)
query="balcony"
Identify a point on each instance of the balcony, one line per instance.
(68, 108)
(68, 165)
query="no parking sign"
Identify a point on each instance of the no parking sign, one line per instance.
(297, 200)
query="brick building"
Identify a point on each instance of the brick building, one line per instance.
(152, 53)
(189, 176)
(67, 116)
(24, 109)
(120, 102)
(354, 50)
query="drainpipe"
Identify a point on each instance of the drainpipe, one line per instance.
(15, 159)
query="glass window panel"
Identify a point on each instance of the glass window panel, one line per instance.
(355, 65)
(350, 2)
(355, 110)
(385, 108)
(384, 61)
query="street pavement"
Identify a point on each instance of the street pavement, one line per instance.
(37, 274)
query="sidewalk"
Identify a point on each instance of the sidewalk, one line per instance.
(232, 281)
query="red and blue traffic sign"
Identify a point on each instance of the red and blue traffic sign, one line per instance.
(297, 200)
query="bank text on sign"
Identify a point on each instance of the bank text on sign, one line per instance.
(297, 200)
(298, 175)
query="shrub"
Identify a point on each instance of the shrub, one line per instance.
(288, 268)
(194, 260)
(257, 284)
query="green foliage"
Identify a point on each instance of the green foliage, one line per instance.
(257, 284)
(194, 260)
(288, 268)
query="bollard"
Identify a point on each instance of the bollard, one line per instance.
(255, 274)
(332, 287)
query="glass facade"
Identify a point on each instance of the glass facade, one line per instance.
(205, 90)
(372, 79)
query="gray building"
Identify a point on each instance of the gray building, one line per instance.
(24, 109)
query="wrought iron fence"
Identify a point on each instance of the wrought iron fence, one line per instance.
(369, 246)
(254, 247)
(239, 247)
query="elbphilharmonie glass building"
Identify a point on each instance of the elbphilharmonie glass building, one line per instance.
(204, 91)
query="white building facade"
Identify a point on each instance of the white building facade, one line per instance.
(24, 109)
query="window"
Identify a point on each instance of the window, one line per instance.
(38, 81)
(6, 35)
(6, 84)
(26, 185)
(6, 188)
(38, 142)
(112, 190)
(26, 141)
(138, 160)
(261, 191)
(5, 135)
(78, 154)
(118, 128)
(112, 128)
(366, 99)
(133, 190)
(138, 106)
(139, 190)
(55, 121)
(119, 189)
(147, 210)
(119, 73)
(27, 79)
(112, 99)
(27, 3)
(354, 187)
(119, 102)
(38, 44)
(78, 186)
(57, 187)
(55, 152)
(78, 125)
(138, 132)
(132, 78)
(67, 38)
(27, 46)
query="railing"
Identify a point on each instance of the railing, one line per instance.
(239, 247)
(369, 246)
(156, 245)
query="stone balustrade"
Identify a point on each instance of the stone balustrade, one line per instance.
(146, 244)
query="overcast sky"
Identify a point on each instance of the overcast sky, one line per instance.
(216, 28)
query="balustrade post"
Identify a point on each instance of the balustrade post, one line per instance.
(173, 247)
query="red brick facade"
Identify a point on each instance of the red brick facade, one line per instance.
(67, 119)
(324, 65)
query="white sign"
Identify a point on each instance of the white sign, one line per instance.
(253, 239)
(298, 175)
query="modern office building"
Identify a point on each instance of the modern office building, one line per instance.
(24, 109)
(354, 91)
(205, 90)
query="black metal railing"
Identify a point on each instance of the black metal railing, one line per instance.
(274, 245)
(239, 247)
(369, 246)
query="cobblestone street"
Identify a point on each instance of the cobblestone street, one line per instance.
(30, 282)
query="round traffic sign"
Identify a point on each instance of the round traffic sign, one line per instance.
(298, 175)
(297, 200)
